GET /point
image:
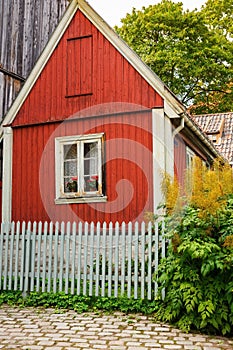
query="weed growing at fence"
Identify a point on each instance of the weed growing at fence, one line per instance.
(78, 303)
(198, 270)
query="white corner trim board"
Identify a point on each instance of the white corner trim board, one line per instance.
(7, 174)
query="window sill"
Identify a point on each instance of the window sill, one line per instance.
(70, 200)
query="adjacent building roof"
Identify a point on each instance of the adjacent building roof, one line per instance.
(219, 128)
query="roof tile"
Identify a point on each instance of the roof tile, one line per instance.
(211, 124)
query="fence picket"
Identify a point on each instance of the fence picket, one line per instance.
(84, 259)
(62, 239)
(44, 257)
(27, 257)
(33, 256)
(97, 262)
(163, 250)
(22, 256)
(156, 253)
(91, 258)
(38, 256)
(103, 270)
(149, 252)
(79, 258)
(110, 260)
(136, 258)
(55, 260)
(116, 260)
(143, 232)
(16, 253)
(11, 255)
(129, 247)
(50, 256)
(123, 261)
(67, 257)
(73, 239)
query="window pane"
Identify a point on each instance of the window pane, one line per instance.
(70, 168)
(91, 158)
(91, 166)
(91, 183)
(70, 151)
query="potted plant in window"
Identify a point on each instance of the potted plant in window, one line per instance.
(72, 184)
(92, 183)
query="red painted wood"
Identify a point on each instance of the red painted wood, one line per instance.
(113, 80)
(180, 160)
(115, 86)
(129, 157)
(79, 64)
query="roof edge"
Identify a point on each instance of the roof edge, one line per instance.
(40, 64)
(196, 129)
(131, 56)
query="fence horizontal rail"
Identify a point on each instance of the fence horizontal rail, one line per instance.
(81, 258)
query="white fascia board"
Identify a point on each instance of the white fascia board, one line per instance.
(130, 55)
(39, 66)
(172, 112)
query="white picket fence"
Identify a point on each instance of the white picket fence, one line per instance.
(83, 259)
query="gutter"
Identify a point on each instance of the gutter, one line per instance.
(180, 127)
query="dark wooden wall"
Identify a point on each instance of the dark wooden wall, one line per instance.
(26, 26)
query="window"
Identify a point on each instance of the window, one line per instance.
(79, 169)
(189, 157)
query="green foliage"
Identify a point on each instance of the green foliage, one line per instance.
(78, 303)
(191, 51)
(198, 272)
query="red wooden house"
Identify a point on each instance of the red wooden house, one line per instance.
(92, 129)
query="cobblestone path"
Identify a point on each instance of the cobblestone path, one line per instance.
(45, 329)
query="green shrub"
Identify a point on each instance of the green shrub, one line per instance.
(197, 273)
(78, 303)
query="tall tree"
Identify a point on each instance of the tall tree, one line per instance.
(187, 50)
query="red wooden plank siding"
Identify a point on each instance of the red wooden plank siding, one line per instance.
(180, 160)
(79, 63)
(128, 157)
(108, 68)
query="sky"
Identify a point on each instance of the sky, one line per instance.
(113, 13)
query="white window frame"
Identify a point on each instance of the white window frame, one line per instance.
(189, 157)
(80, 196)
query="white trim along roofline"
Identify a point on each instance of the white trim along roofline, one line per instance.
(40, 64)
(173, 107)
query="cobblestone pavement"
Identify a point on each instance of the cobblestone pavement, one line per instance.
(40, 329)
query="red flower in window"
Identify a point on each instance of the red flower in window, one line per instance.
(72, 184)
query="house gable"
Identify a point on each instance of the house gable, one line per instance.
(84, 70)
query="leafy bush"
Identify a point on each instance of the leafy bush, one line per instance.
(197, 273)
